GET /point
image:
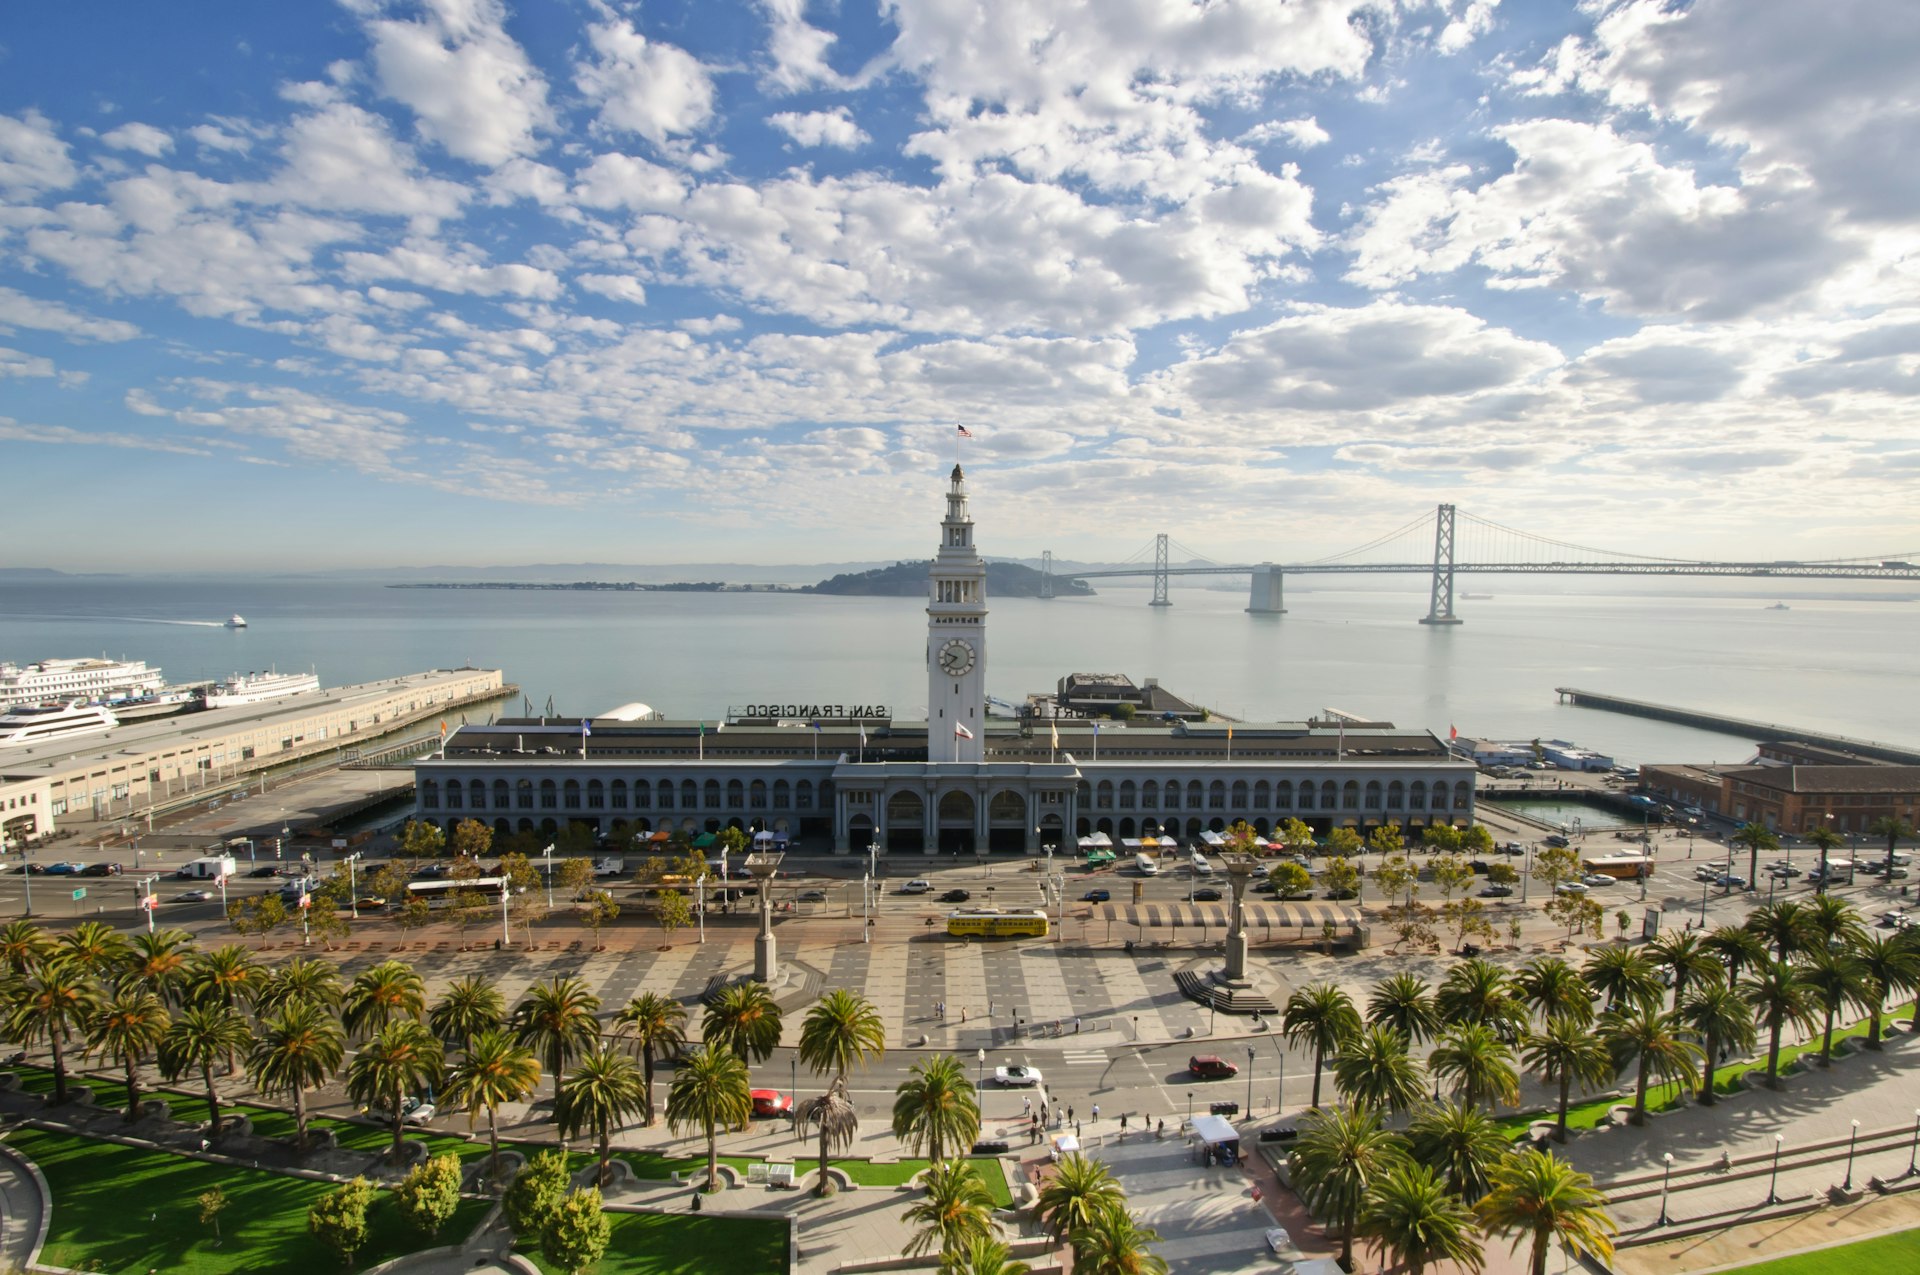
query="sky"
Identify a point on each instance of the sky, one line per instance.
(458, 281)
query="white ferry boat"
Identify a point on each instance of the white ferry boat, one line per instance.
(40, 723)
(46, 680)
(237, 622)
(257, 688)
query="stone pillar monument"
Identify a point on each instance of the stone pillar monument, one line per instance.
(766, 964)
(1240, 870)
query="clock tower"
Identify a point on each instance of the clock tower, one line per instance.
(957, 638)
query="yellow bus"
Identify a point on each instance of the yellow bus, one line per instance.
(993, 924)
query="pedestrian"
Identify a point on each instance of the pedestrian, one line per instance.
(1076, 1128)
(963, 1013)
(1029, 1104)
(1123, 1122)
(696, 1199)
(989, 1009)
(1069, 1115)
(1076, 1026)
(1096, 1112)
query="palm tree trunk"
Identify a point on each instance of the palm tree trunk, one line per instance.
(1566, 1092)
(646, 1072)
(823, 1187)
(1826, 1040)
(493, 1139)
(1873, 1028)
(1640, 1093)
(300, 1115)
(1319, 1059)
(399, 1127)
(59, 1064)
(213, 1099)
(1540, 1251)
(713, 1159)
(133, 1093)
(1707, 1097)
(1773, 1058)
(1346, 1244)
(606, 1149)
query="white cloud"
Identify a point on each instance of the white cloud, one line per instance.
(459, 268)
(799, 49)
(18, 310)
(343, 158)
(216, 138)
(644, 87)
(468, 83)
(19, 363)
(32, 158)
(821, 128)
(1475, 20)
(144, 138)
(615, 287)
(1302, 133)
(622, 181)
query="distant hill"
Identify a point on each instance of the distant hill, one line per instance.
(30, 573)
(909, 580)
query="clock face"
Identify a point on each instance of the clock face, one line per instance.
(956, 657)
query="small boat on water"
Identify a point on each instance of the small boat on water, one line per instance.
(237, 622)
(1779, 606)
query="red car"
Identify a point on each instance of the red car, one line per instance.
(770, 1102)
(1211, 1067)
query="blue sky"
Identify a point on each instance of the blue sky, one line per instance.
(368, 283)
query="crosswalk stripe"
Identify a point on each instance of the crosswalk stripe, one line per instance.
(1071, 1056)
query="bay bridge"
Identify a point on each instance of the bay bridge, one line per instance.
(1463, 544)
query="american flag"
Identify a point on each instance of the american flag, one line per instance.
(964, 431)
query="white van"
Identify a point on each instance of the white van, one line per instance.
(1201, 868)
(1146, 865)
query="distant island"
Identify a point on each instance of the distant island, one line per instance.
(605, 586)
(909, 580)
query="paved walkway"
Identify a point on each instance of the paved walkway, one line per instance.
(22, 1209)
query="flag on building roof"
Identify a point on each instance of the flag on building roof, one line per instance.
(961, 732)
(1055, 728)
(1453, 732)
(585, 729)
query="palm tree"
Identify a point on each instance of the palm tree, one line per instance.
(1113, 1243)
(1722, 1020)
(1565, 1051)
(227, 976)
(558, 1019)
(1834, 922)
(1823, 836)
(839, 1031)
(495, 1069)
(1460, 1141)
(1554, 989)
(1419, 1221)
(383, 994)
(299, 1048)
(601, 1093)
(1782, 926)
(200, 1036)
(53, 1002)
(657, 1025)
(1322, 1016)
(469, 1006)
(401, 1056)
(1478, 991)
(991, 1257)
(1834, 980)
(23, 945)
(1477, 1063)
(1336, 1161)
(935, 1107)
(1755, 838)
(744, 1019)
(1654, 1045)
(1892, 827)
(956, 1211)
(303, 980)
(1686, 958)
(1077, 1190)
(95, 947)
(157, 963)
(1778, 998)
(1405, 1003)
(709, 1090)
(1624, 976)
(1738, 948)
(1375, 1071)
(128, 1029)
(1891, 967)
(1538, 1195)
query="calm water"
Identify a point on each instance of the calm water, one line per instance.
(1846, 667)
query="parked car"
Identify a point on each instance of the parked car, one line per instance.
(813, 896)
(1599, 880)
(1496, 892)
(415, 1111)
(1570, 887)
(770, 1102)
(1207, 895)
(1557, 840)
(370, 902)
(1210, 1067)
(917, 886)
(102, 870)
(431, 872)
(65, 869)
(1731, 881)
(265, 870)
(1096, 896)
(955, 896)
(1017, 1076)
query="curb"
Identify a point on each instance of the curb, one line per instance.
(46, 1202)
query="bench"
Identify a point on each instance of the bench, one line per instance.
(777, 1177)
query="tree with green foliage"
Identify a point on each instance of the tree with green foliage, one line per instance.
(1295, 834)
(494, 1070)
(1826, 840)
(1441, 838)
(1563, 1051)
(1539, 1197)
(1405, 1003)
(1720, 1019)
(599, 912)
(843, 1029)
(400, 1057)
(1114, 1243)
(576, 1236)
(536, 1194)
(303, 980)
(1290, 880)
(1892, 827)
(955, 1211)
(1755, 837)
(258, 916)
(420, 840)
(1834, 980)
(602, 1091)
(1783, 926)
(1452, 874)
(991, 1257)
(382, 994)
(196, 1039)
(1478, 991)
(1336, 1161)
(1552, 988)
(1341, 878)
(1477, 840)
(300, 1047)
(1502, 874)
(213, 1202)
(1687, 960)
(471, 839)
(469, 1006)
(1419, 1221)
(673, 910)
(1386, 841)
(1322, 1017)
(1477, 1064)
(1375, 1070)
(1468, 918)
(1397, 880)
(1778, 998)
(94, 947)
(1074, 1194)
(430, 1194)
(1345, 843)
(1834, 924)
(157, 963)
(573, 878)
(1889, 966)
(1653, 1044)
(24, 945)
(1460, 1142)
(743, 1019)
(1737, 948)
(657, 1026)
(709, 1091)
(338, 1219)
(1554, 866)
(935, 1108)
(1624, 976)
(128, 1028)
(558, 1019)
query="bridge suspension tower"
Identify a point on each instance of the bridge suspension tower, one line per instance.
(1046, 573)
(1440, 605)
(1160, 571)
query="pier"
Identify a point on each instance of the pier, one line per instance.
(1759, 732)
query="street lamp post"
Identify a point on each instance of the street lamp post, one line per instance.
(548, 855)
(1773, 1178)
(1913, 1155)
(1704, 887)
(1249, 1082)
(1665, 1178)
(1852, 1142)
(980, 1081)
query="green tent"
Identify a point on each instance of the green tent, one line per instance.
(704, 841)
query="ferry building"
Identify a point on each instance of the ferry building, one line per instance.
(960, 782)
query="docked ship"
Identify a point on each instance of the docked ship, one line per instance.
(42, 723)
(166, 702)
(85, 679)
(258, 688)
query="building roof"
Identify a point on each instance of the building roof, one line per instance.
(1829, 779)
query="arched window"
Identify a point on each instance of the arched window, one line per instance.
(502, 799)
(1417, 795)
(596, 795)
(549, 795)
(713, 794)
(572, 791)
(1239, 794)
(1350, 796)
(1439, 796)
(1007, 806)
(1103, 795)
(456, 795)
(1149, 795)
(1262, 796)
(689, 795)
(782, 795)
(1329, 796)
(1462, 795)
(1196, 796)
(1373, 794)
(619, 794)
(1216, 795)
(523, 795)
(1129, 794)
(642, 795)
(736, 794)
(476, 794)
(1173, 794)
(1306, 796)
(803, 795)
(1283, 795)
(430, 795)
(1396, 796)
(757, 794)
(664, 795)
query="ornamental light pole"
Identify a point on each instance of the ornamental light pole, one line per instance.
(1773, 1178)
(1913, 1156)
(1852, 1142)
(1665, 1179)
(1249, 1082)
(764, 867)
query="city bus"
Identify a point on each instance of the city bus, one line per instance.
(439, 892)
(994, 924)
(1621, 867)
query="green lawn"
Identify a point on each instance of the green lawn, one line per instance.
(1899, 1251)
(127, 1209)
(673, 1244)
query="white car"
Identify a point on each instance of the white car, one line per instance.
(1571, 887)
(1017, 1076)
(1898, 920)
(1600, 879)
(917, 886)
(414, 1111)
